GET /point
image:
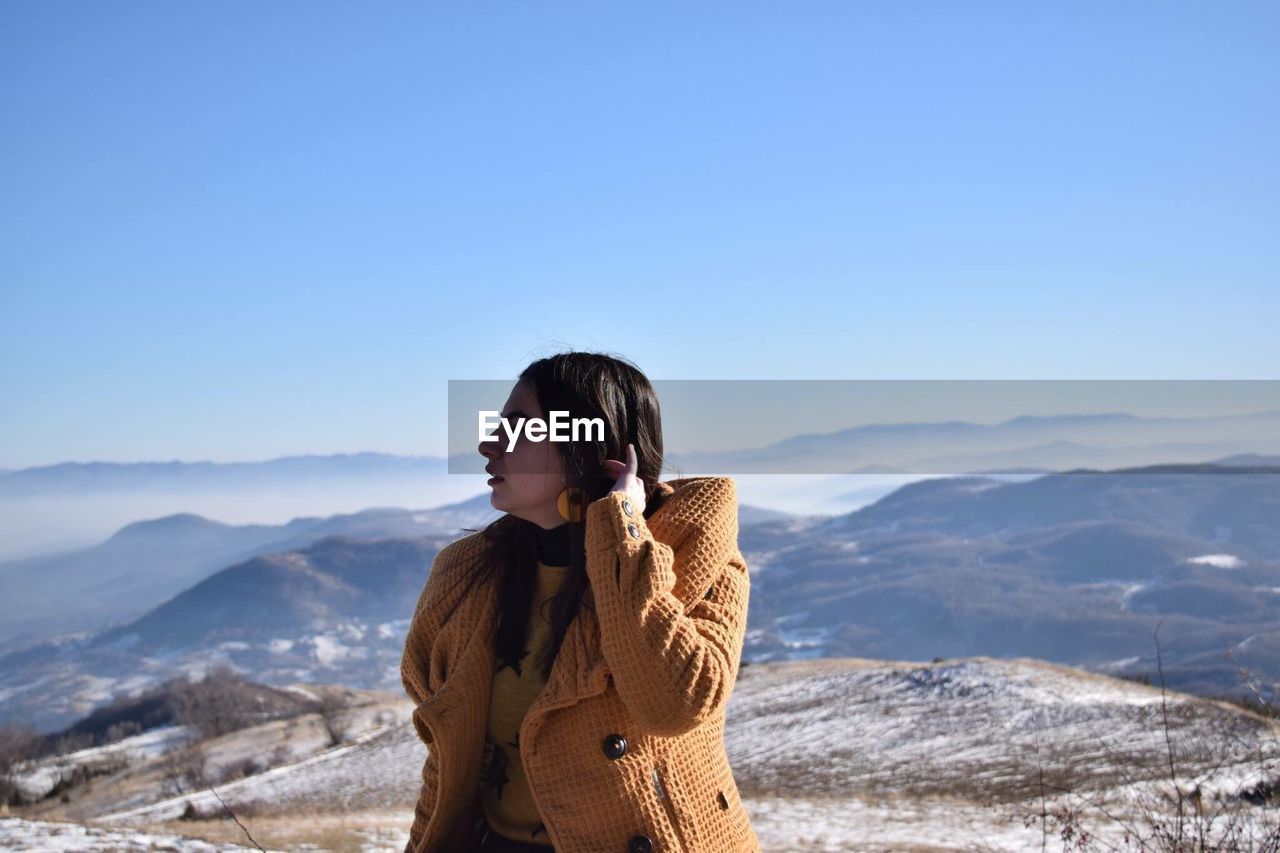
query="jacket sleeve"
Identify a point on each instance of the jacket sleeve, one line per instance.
(673, 668)
(423, 628)
(414, 674)
(421, 817)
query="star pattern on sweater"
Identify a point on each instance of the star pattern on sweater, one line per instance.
(497, 776)
(515, 665)
(541, 830)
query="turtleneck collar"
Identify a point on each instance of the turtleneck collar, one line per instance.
(553, 545)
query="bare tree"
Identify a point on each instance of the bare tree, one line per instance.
(18, 742)
(1173, 812)
(217, 704)
(332, 707)
(183, 770)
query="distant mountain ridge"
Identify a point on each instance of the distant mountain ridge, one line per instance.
(146, 562)
(81, 477)
(1076, 568)
(1071, 568)
(1027, 443)
(1032, 443)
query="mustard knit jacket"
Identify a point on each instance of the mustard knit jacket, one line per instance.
(624, 746)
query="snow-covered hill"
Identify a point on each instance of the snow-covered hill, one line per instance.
(845, 754)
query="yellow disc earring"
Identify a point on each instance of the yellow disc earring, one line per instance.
(572, 503)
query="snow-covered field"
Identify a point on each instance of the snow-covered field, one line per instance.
(844, 754)
(54, 836)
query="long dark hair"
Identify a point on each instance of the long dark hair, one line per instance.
(584, 384)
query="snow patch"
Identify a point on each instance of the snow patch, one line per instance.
(1217, 561)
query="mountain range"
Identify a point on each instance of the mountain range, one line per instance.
(1075, 568)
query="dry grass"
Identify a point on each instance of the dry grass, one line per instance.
(341, 833)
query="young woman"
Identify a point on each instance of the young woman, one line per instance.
(571, 662)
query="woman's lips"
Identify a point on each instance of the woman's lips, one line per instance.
(494, 480)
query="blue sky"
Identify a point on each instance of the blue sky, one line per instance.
(236, 231)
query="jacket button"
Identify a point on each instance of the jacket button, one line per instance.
(640, 844)
(615, 746)
(626, 506)
(633, 530)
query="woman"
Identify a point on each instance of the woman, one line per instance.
(571, 662)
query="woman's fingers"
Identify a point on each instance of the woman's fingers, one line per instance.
(626, 474)
(616, 468)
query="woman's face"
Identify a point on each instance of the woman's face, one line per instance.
(532, 472)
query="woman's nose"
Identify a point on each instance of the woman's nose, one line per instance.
(489, 449)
